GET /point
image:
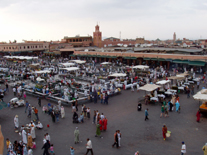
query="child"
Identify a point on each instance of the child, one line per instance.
(52, 149)
(72, 150)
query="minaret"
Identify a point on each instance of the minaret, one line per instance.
(97, 37)
(174, 37)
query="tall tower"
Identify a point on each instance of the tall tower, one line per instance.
(97, 37)
(174, 37)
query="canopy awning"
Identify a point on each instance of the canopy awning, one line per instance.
(176, 78)
(146, 58)
(149, 87)
(197, 63)
(162, 82)
(201, 95)
(134, 58)
(161, 59)
(153, 59)
(181, 61)
(78, 61)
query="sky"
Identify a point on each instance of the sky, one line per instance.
(53, 19)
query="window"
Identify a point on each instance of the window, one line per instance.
(24, 47)
(45, 46)
(4, 48)
(9, 47)
(28, 47)
(20, 47)
(36, 46)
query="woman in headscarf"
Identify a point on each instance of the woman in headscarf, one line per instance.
(98, 131)
(76, 134)
(205, 149)
(164, 131)
(29, 141)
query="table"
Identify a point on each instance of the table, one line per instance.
(154, 99)
(161, 95)
(181, 88)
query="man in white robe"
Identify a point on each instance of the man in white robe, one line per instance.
(32, 132)
(16, 122)
(24, 136)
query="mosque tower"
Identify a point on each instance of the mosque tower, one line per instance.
(174, 37)
(97, 37)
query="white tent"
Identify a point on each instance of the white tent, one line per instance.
(149, 87)
(78, 61)
(106, 63)
(66, 64)
(70, 68)
(118, 74)
(162, 82)
(42, 71)
(140, 67)
(201, 95)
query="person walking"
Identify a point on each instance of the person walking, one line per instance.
(188, 93)
(14, 91)
(177, 105)
(116, 140)
(119, 137)
(146, 114)
(106, 99)
(62, 112)
(101, 97)
(198, 115)
(205, 149)
(98, 131)
(164, 131)
(105, 121)
(162, 111)
(53, 116)
(39, 101)
(89, 146)
(27, 105)
(36, 113)
(46, 146)
(183, 148)
(76, 134)
(29, 111)
(16, 122)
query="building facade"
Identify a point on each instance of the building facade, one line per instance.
(79, 41)
(27, 46)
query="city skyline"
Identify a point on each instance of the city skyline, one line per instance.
(52, 20)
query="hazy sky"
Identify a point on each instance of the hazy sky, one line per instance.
(54, 19)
